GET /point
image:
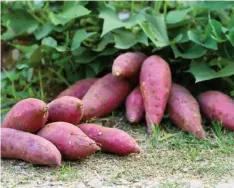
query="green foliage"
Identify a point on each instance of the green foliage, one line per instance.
(71, 40)
(202, 70)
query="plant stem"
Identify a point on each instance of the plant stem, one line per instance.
(63, 79)
(31, 12)
(41, 85)
(132, 7)
(12, 84)
(225, 49)
(157, 6)
(43, 15)
(165, 8)
(46, 5)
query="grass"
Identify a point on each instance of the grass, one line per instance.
(170, 157)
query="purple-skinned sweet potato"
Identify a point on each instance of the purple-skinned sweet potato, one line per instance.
(111, 140)
(68, 109)
(70, 140)
(27, 115)
(134, 106)
(78, 89)
(218, 106)
(17, 144)
(128, 64)
(104, 96)
(155, 85)
(184, 111)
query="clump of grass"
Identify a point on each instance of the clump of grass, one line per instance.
(67, 172)
(217, 129)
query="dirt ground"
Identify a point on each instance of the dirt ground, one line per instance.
(170, 160)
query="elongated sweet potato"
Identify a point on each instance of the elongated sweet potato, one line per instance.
(134, 106)
(111, 140)
(68, 109)
(28, 147)
(184, 111)
(78, 89)
(28, 115)
(128, 64)
(69, 139)
(155, 85)
(104, 96)
(218, 106)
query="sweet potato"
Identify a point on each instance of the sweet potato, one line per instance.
(134, 106)
(184, 111)
(128, 64)
(28, 115)
(68, 109)
(111, 140)
(104, 96)
(218, 106)
(28, 147)
(78, 89)
(69, 139)
(155, 85)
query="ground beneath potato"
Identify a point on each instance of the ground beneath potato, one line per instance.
(170, 158)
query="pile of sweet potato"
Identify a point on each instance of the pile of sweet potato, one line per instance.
(45, 134)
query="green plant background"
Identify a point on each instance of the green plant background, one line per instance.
(62, 42)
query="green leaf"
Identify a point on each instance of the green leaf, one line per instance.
(43, 31)
(216, 30)
(231, 21)
(220, 62)
(79, 36)
(211, 5)
(22, 22)
(107, 39)
(159, 26)
(3, 85)
(79, 51)
(182, 37)
(70, 11)
(49, 41)
(87, 56)
(8, 34)
(226, 51)
(36, 5)
(201, 71)
(98, 65)
(37, 55)
(182, 23)
(109, 51)
(176, 16)
(11, 75)
(198, 38)
(111, 20)
(30, 74)
(27, 50)
(230, 36)
(61, 48)
(155, 29)
(195, 51)
(90, 73)
(21, 66)
(125, 39)
(73, 76)
(95, 66)
(19, 22)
